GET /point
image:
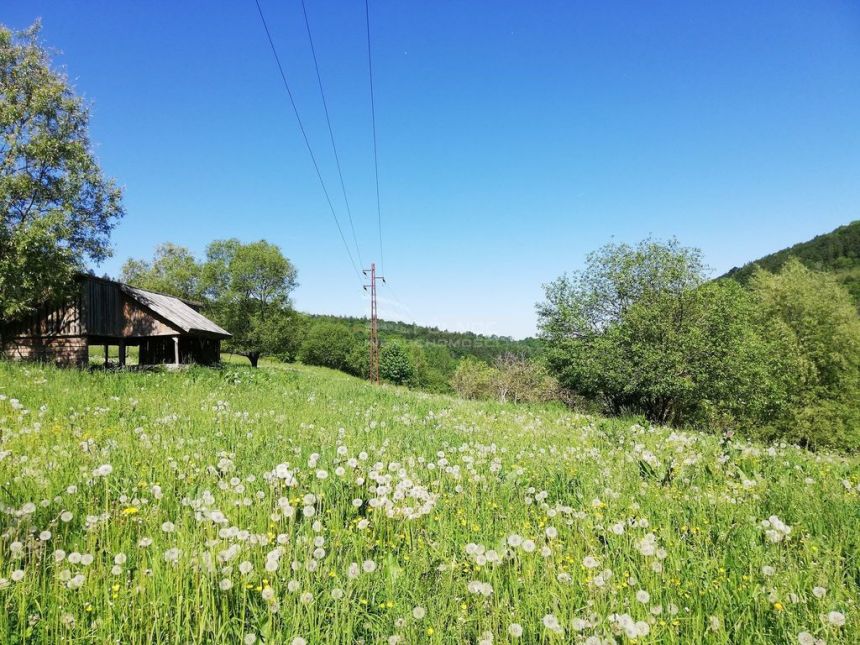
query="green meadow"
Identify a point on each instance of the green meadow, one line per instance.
(299, 505)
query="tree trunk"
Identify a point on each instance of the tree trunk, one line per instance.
(253, 357)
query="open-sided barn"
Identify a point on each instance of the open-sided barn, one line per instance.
(105, 313)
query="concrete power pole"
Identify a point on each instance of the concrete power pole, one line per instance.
(374, 323)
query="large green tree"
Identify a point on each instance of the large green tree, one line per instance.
(57, 209)
(174, 270)
(248, 287)
(819, 315)
(639, 331)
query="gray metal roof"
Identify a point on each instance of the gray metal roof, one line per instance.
(175, 311)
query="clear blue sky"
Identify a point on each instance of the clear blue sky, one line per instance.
(514, 137)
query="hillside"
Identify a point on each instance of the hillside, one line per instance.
(460, 344)
(837, 252)
(299, 505)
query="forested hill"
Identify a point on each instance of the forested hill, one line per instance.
(837, 252)
(459, 343)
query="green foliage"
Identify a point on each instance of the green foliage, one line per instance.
(837, 252)
(456, 344)
(245, 287)
(329, 345)
(174, 270)
(473, 379)
(395, 364)
(821, 319)
(640, 332)
(511, 379)
(56, 208)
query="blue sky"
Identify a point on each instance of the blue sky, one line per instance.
(514, 137)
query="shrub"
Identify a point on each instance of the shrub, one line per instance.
(328, 345)
(395, 365)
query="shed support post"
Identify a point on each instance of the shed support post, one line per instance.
(106, 354)
(122, 353)
(176, 350)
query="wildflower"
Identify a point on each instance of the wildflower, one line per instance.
(714, 623)
(369, 566)
(66, 516)
(419, 612)
(226, 584)
(590, 562)
(551, 623)
(172, 555)
(17, 575)
(44, 536)
(168, 527)
(836, 618)
(298, 640)
(515, 630)
(103, 471)
(819, 592)
(643, 596)
(130, 510)
(249, 639)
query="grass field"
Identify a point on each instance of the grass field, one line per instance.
(296, 505)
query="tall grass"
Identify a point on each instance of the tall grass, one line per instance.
(291, 504)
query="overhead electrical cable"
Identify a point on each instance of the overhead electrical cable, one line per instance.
(373, 122)
(307, 141)
(331, 133)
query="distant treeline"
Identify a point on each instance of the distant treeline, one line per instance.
(461, 344)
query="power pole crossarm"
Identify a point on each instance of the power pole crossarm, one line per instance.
(374, 323)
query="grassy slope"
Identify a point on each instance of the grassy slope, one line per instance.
(497, 470)
(837, 252)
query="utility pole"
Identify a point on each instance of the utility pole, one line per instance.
(374, 322)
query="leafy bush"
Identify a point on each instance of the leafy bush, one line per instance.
(328, 345)
(819, 316)
(395, 365)
(640, 331)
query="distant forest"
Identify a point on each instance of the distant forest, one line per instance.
(460, 344)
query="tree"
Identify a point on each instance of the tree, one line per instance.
(473, 379)
(248, 287)
(395, 365)
(820, 316)
(328, 344)
(57, 210)
(638, 331)
(616, 277)
(174, 270)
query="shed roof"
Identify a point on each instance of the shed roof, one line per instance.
(175, 311)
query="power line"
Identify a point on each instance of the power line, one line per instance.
(305, 137)
(331, 134)
(373, 121)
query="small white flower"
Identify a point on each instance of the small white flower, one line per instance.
(515, 630)
(419, 612)
(836, 618)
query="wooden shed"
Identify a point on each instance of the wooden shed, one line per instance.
(107, 313)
